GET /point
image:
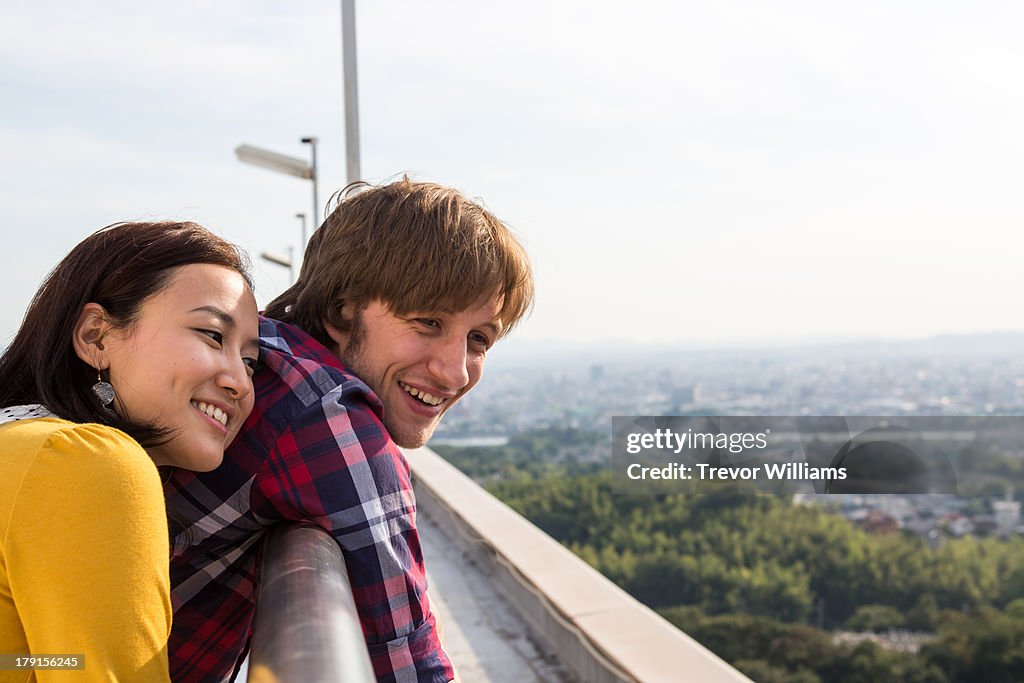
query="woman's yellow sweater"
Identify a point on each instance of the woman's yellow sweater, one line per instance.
(83, 552)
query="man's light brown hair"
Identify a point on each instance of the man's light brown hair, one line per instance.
(417, 247)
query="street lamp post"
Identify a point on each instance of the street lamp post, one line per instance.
(286, 261)
(302, 219)
(282, 163)
(311, 141)
(351, 87)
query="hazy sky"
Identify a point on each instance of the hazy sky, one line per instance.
(704, 172)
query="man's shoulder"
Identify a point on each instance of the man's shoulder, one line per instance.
(297, 372)
(315, 426)
(302, 387)
(284, 340)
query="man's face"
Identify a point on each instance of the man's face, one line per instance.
(418, 364)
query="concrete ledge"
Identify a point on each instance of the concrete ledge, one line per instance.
(599, 631)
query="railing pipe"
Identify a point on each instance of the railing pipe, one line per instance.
(307, 628)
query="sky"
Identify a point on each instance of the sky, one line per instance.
(692, 173)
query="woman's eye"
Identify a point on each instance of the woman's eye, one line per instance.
(214, 335)
(251, 364)
(480, 340)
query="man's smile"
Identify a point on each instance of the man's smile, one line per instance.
(427, 398)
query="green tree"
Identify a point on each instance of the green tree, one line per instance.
(924, 615)
(875, 618)
(986, 646)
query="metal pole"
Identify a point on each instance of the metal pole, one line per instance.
(302, 217)
(286, 261)
(348, 68)
(306, 626)
(316, 180)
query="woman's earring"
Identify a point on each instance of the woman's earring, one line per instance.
(103, 390)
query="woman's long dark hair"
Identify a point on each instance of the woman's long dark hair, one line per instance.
(117, 267)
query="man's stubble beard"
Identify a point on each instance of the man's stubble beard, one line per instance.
(350, 358)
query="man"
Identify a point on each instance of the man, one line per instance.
(403, 290)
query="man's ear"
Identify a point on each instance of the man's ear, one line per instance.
(333, 323)
(92, 326)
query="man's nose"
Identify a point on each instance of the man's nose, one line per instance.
(448, 364)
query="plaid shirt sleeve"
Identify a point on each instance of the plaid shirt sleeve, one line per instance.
(334, 464)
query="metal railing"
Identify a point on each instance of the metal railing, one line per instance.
(307, 629)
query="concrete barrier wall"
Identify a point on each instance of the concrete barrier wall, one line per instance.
(599, 631)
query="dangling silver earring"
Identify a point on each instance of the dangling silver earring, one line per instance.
(103, 390)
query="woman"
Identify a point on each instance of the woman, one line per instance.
(136, 352)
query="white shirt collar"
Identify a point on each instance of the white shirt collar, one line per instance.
(26, 412)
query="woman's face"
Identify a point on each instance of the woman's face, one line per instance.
(186, 364)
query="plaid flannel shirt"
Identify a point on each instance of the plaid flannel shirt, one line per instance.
(315, 450)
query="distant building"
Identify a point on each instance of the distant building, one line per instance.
(1007, 516)
(959, 525)
(877, 522)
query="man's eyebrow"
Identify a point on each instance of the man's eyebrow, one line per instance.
(493, 327)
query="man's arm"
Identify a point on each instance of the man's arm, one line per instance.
(336, 466)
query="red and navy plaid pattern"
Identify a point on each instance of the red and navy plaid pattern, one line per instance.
(314, 449)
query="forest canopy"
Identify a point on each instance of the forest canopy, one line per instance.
(765, 582)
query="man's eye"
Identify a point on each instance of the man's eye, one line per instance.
(428, 322)
(480, 340)
(214, 335)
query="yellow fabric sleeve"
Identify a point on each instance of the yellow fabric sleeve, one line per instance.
(86, 555)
